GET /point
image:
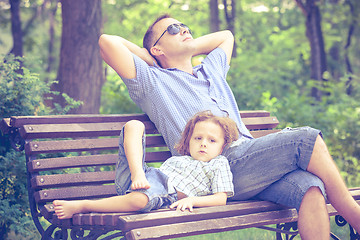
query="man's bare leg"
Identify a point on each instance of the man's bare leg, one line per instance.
(313, 222)
(322, 165)
(131, 202)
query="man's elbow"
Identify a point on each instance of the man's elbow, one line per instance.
(102, 39)
(229, 35)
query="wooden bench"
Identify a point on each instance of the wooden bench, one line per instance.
(73, 157)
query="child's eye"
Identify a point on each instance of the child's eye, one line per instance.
(212, 140)
(197, 138)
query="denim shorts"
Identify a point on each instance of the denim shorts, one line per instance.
(158, 193)
(273, 167)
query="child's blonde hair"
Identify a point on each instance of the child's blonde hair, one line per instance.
(231, 131)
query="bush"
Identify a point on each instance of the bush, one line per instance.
(21, 93)
(288, 96)
(14, 206)
(115, 97)
(337, 116)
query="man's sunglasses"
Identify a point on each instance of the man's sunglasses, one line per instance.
(173, 29)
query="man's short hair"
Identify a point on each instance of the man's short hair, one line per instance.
(148, 40)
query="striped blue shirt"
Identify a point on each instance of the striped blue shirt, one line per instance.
(170, 97)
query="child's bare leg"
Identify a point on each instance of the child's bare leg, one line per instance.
(134, 201)
(131, 202)
(133, 133)
(322, 165)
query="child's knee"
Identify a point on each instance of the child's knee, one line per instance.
(140, 200)
(134, 125)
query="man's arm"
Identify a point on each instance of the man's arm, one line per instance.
(216, 199)
(223, 39)
(116, 51)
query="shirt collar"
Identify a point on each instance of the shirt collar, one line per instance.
(196, 68)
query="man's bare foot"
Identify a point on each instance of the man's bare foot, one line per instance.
(139, 182)
(66, 209)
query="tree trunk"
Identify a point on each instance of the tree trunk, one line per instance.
(214, 16)
(230, 16)
(315, 37)
(351, 30)
(16, 30)
(80, 72)
(51, 57)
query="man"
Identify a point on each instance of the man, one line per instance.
(292, 167)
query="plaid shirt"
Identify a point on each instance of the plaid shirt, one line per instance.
(197, 178)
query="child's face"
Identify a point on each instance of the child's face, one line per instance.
(207, 141)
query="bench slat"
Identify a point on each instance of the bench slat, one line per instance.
(355, 192)
(113, 128)
(97, 219)
(213, 225)
(218, 224)
(261, 123)
(79, 145)
(235, 208)
(36, 147)
(18, 121)
(71, 162)
(77, 130)
(254, 113)
(128, 221)
(172, 217)
(88, 161)
(74, 179)
(261, 133)
(73, 193)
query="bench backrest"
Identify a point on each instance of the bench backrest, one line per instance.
(74, 156)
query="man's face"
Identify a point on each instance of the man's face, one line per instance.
(168, 42)
(207, 141)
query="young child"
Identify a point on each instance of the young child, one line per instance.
(199, 177)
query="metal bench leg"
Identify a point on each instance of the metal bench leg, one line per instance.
(59, 234)
(79, 233)
(284, 229)
(341, 222)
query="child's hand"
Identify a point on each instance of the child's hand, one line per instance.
(183, 204)
(140, 182)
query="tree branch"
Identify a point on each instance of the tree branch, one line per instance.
(352, 24)
(302, 7)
